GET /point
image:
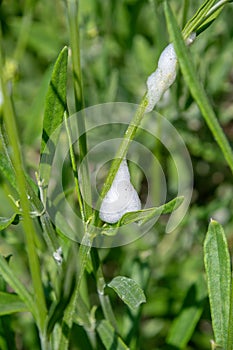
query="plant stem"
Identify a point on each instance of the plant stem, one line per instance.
(67, 321)
(72, 9)
(104, 299)
(124, 146)
(28, 226)
(74, 168)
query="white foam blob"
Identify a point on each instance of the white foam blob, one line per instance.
(122, 197)
(164, 76)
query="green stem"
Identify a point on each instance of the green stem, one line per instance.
(67, 321)
(74, 168)
(28, 226)
(104, 299)
(124, 146)
(72, 9)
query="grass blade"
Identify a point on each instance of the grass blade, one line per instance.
(196, 88)
(128, 290)
(218, 271)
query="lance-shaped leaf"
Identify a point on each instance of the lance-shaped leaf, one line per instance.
(142, 216)
(109, 337)
(194, 23)
(218, 272)
(145, 215)
(128, 290)
(55, 106)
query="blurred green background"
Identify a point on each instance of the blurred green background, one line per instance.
(120, 44)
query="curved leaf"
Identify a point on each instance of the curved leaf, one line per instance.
(128, 290)
(145, 215)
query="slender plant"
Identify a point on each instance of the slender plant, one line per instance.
(61, 305)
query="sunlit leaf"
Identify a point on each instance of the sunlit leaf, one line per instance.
(128, 290)
(145, 215)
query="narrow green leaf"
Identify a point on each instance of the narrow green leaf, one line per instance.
(55, 103)
(218, 272)
(55, 106)
(145, 215)
(109, 337)
(193, 24)
(210, 16)
(5, 222)
(11, 303)
(142, 216)
(183, 327)
(128, 290)
(196, 88)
